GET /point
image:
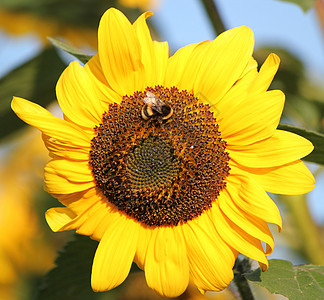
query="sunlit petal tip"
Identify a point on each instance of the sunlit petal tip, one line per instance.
(243, 35)
(281, 97)
(308, 147)
(239, 29)
(20, 106)
(272, 59)
(112, 18)
(98, 286)
(243, 32)
(147, 14)
(311, 183)
(115, 16)
(111, 12)
(270, 67)
(58, 217)
(266, 74)
(307, 184)
(16, 103)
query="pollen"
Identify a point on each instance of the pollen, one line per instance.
(161, 172)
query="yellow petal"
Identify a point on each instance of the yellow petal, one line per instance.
(63, 150)
(224, 62)
(66, 177)
(236, 237)
(250, 223)
(210, 259)
(145, 235)
(238, 92)
(267, 71)
(290, 179)
(114, 255)
(252, 120)
(211, 68)
(104, 91)
(95, 221)
(251, 67)
(282, 148)
(154, 55)
(58, 217)
(177, 65)
(161, 50)
(42, 119)
(249, 197)
(77, 97)
(166, 265)
(79, 202)
(120, 53)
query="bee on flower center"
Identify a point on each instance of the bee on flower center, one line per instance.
(155, 107)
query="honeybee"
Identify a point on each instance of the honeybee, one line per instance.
(155, 107)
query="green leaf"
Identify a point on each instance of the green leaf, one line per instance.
(70, 279)
(81, 56)
(35, 81)
(295, 282)
(316, 138)
(304, 4)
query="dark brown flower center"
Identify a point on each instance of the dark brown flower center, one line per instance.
(152, 164)
(158, 156)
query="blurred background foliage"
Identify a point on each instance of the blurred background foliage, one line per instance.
(27, 246)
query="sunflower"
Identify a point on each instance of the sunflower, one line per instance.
(167, 160)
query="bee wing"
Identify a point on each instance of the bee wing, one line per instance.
(155, 103)
(150, 94)
(147, 100)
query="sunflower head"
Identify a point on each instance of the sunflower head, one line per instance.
(167, 160)
(162, 169)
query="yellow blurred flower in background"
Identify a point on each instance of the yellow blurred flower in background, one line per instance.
(27, 23)
(142, 4)
(24, 250)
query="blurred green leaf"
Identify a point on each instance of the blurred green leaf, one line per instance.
(35, 81)
(304, 4)
(295, 282)
(316, 138)
(70, 279)
(302, 111)
(81, 56)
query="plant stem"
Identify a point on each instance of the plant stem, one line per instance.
(308, 233)
(214, 16)
(319, 6)
(241, 267)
